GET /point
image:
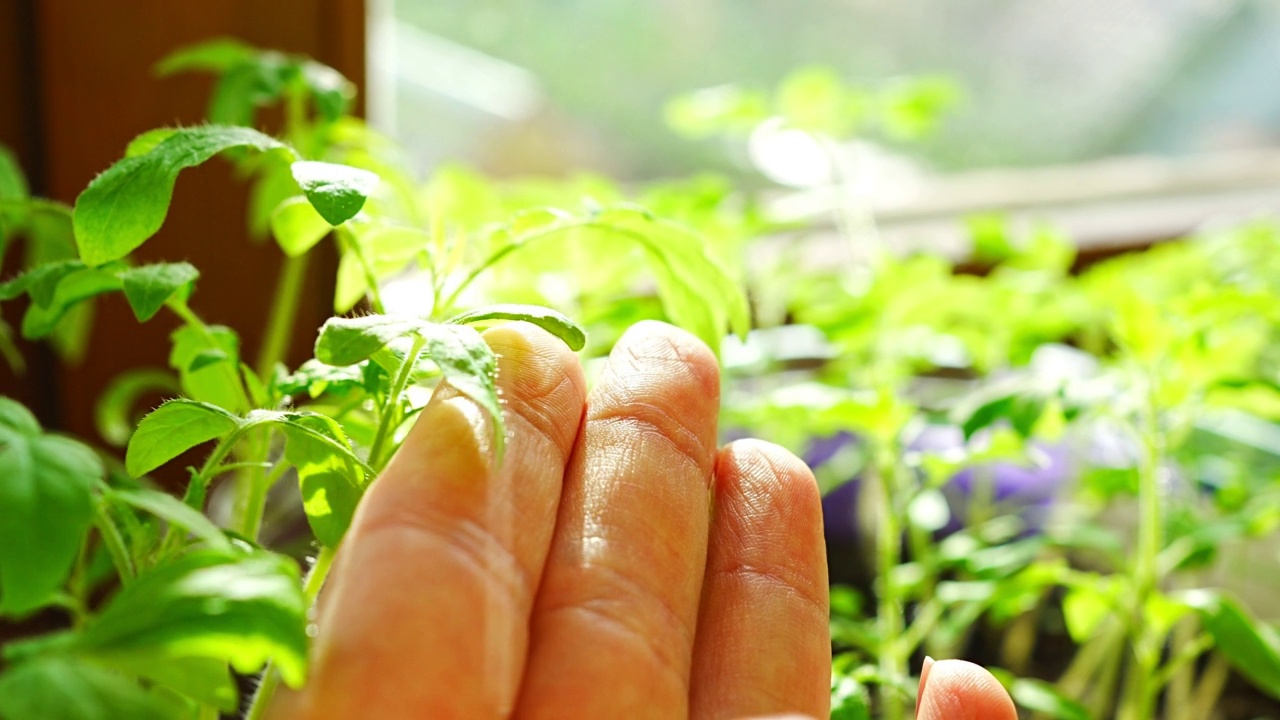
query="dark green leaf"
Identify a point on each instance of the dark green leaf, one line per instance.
(545, 318)
(113, 415)
(13, 184)
(297, 226)
(45, 485)
(336, 191)
(245, 609)
(172, 429)
(1251, 646)
(174, 511)
(63, 688)
(217, 55)
(331, 483)
(127, 204)
(149, 287)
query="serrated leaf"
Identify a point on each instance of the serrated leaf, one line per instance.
(1251, 646)
(336, 191)
(113, 414)
(149, 287)
(172, 429)
(173, 511)
(216, 55)
(244, 609)
(330, 482)
(57, 687)
(45, 485)
(297, 227)
(147, 141)
(40, 282)
(545, 318)
(127, 204)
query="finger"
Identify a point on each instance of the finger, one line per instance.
(427, 614)
(959, 690)
(763, 641)
(614, 621)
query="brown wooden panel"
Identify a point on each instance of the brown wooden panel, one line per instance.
(96, 92)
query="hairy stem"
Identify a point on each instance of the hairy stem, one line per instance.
(270, 676)
(389, 416)
(284, 310)
(114, 542)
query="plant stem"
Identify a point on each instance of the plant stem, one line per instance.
(114, 542)
(270, 677)
(284, 309)
(387, 418)
(889, 610)
(1209, 689)
(255, 499)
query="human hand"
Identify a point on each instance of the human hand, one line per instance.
(616, 564)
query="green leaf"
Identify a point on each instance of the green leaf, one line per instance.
(149, 287)
(330, 482)
(205, 680)
(297, 226)
(173, 511)
(172, 429)
(545, 318)
(315, 378)
(318, 428)
(1039, 696)
(330, 90)
(113, 415)
(1251, 646)
(351, 283)
(15, 416)
(336, 191)
(40, 282)
(64, 688)
(127, 204)
(217, 55)
(13, 184)
(206, 364)
(245, 609)
(45, 486)
(462, 356)
(147, 141)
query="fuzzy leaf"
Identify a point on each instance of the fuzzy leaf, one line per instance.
(173, 511)
(149, 287)
(113, 415)
(545, 318)
(336, 191)
(331, 483)
(172, 429)
(127, 204)
(199, 359)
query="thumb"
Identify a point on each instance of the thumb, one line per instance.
(959, 690)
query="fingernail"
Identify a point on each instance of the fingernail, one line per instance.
(924, 677)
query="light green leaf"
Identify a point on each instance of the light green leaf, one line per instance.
(147, 141)
(297, 226)
(62, 688)
(149, 287)
(40, 282)
(45, 485)
(1251, 646)
(245, 609)
(462, 356)
(17, 417)
(352, 283)
(217, 55)
(174, 511)
(172, 429)
(127, 204)
(331, 92)
(113, 415)
(321, 431)
(13, 184)
(336, 191)
(1041, 697)
(545, 318)
(206, 365)
(330, 482)
(205, 680)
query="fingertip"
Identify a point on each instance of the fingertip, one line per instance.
(650, 340)
(961, 690)
(540, 373)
